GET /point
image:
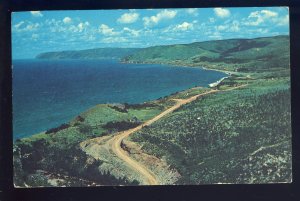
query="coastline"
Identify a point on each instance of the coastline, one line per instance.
(213, 84)
(182, 65)
(210, 85)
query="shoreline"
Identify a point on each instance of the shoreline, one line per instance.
(214, 84)
(210, 85)
(182, 65)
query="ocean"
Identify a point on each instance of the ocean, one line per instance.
(47, 93)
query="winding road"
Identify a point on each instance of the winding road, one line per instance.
(116, 142)
(122, 154)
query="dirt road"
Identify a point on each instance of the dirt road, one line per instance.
(116, 142)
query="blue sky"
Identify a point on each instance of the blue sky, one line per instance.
(34, 32)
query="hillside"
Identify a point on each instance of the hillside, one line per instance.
(239, 134)
(98, 53)
(54, 157)
(243, 55)
(234, 54)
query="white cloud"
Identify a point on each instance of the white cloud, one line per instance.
(283, 20)
(155, 19)
(36, 13)
(260, 17)
(87, 36)
(31, 27)
(128, 18)
(17, 26)
(258, 31)
(26, 26)
(81, 26)
(258, 21)
(91, 38)
(106, 30)
(222, 12)
(254, 14)
(214, 35)
(59, 27)
(229, 27)
(221, 27)
(269, 13)
(34, 36)
(67, 20)
(68, 24)
(114, 40)
(235, 27)
(131, 31)
(192, 11)
(262, 31)
(183, 27)
(50, 22)
(212, 20)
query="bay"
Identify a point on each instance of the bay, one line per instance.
(47, 93)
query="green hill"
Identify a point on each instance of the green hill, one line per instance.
(239, 136)
(243, 55)
(233, 136)
(233, 54)
(99, 53)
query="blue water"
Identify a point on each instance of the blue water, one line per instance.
(47, 93)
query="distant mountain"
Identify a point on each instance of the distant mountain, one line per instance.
(245, 55)
(98, 53)
(234, 54)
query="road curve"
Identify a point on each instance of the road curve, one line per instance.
(119, 137)
(115, 143)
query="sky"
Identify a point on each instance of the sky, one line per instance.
(34, 32)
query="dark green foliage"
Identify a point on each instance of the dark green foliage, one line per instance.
(119, 108)
(268, 165)
(37, 179)
(125, 107)
(210, 140)
(79, 119)
(29, 153)
(54, 130)
(18, 168)
(245, 44)
(121, 125)
(139, 106)
(85, 129)
(56, 160)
